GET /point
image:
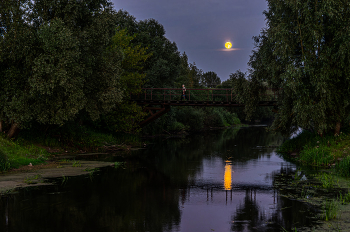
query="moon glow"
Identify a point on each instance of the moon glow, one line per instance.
(228, 45)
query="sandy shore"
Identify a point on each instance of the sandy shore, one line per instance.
(36, 175)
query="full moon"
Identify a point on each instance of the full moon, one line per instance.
(228, 45)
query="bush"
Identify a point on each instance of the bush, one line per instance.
(316, 156)
(296, 143)
(4, 164)
(191, 117)
(343, 167)
(176, 126)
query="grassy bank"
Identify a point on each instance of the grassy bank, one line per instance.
(37, 146)
(327, 186)
(327, 151)
(13, 154)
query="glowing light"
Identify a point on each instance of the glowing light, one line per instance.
(228, 176)
(228, 45)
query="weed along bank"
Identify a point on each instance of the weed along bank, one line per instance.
(325, 182)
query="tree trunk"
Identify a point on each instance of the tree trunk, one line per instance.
(337, 128)
(13, 130)
(1, 126)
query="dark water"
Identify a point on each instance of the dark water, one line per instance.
(221, 181)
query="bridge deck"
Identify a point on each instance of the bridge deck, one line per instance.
(199, 103)
(198, 97)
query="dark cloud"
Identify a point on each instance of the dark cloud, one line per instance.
(201, 28)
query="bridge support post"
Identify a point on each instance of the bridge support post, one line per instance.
(154, 113)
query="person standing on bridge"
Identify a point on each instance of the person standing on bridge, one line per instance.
(183, 92)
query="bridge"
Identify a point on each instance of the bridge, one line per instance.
(157, 101)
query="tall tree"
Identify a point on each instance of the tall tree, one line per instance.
(305, 52)
(126, 115)
(55, 62)
(190, 74)
(210, 79)
(163, 67)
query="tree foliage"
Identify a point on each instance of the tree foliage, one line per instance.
(210, 79)
(163, 67)
(54, 61)
(305, 52)
(126, 115)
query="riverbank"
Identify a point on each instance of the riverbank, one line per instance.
(326, 186)
(38, 175)
(33, 148)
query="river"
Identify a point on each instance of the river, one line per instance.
(218, 181)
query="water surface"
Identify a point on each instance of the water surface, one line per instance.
(220, 181)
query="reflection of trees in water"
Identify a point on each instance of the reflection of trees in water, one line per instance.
(287, 214)
(248, 141)
(130, 199)
(182, 159)
(142, 197)
(249, 216)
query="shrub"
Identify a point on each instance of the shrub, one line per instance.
(4, 164)
(192, 117)
(176, 126)
(316, 156)
(296, 143)
(343, 167)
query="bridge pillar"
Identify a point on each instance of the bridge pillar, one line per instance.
(154, 113)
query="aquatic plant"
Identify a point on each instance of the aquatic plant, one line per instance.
(328, 180)
(330, 210)
(31, 179)
(64, 180)
(119, 164)
(76, 164)
(344, 198)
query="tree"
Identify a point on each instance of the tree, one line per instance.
(189, 75)
(305, 52)
(163, 67)
(55, 62)
(126, 115)
(210, 79)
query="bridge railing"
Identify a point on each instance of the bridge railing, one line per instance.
(215, 95)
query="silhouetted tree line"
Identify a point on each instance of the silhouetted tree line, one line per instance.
(80, 61)
(304, 53)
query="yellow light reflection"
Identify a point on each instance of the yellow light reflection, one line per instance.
(228, 176)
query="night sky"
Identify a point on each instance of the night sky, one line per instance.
(201, 27)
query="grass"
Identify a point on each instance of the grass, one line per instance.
(32, 179)
(76, 164)
(330, 210)
(13, 154)
(77, 137)
(31, 145)
(320, 151)
(343, 167)
(344, 198)
(328, 180)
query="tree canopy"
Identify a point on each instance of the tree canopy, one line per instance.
(54, 61)
(68, 60)
(304, 52)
